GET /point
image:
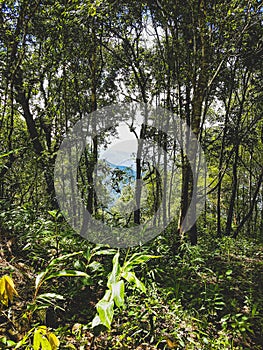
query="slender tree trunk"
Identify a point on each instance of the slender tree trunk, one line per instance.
(253, 203)
(236, 154)
(39, 149)
(138, 186)
(91, 161)
(233, 194)
(186, 169)
(220, 166)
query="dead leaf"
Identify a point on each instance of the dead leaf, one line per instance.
(7, 290)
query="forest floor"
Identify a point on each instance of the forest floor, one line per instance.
(204, 297)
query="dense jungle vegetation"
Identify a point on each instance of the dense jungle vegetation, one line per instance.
(197, 286)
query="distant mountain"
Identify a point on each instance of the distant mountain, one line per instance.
(110, 180)
(129, 169)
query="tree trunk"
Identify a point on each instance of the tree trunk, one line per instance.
(46, 164)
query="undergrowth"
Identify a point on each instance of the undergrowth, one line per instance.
(209, 296)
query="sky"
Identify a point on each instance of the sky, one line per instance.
(121, 149)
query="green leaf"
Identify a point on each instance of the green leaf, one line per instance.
(50, 299)
(115, 273)
(105, 252)
(37, 340)
(96, 321)
(3, 155)
(67, 273)
(53, 213)
(117, 290)
(51, 296)
(45, 344)
(105, 311)
(107, 295)
(39, 278)
(131, 278)
(137, 259)
(40, 339)
(95, 266)
(63, 257)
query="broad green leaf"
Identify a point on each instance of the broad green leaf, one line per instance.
(95, 266)
(114, 276)
(105, 252)
(51, 296)
(96, 321)
(137, 259)
(131, 278)
(39, 340)
(45, 345)
(107, 295)
(39, 278)
(117, 290)
(63, 257)
(50, 299)
(44, 340)
(105, 311)
(67, 273)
